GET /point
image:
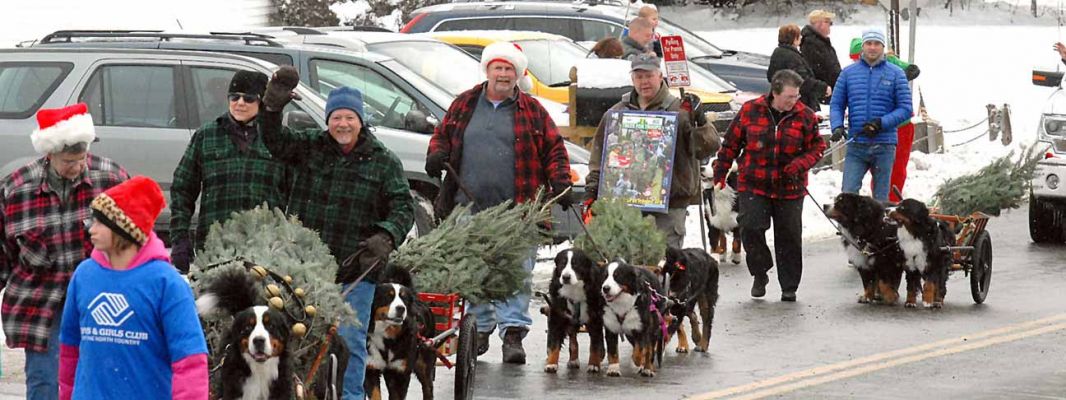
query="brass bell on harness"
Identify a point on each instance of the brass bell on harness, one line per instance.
(299, 329)
(259, 271)
(277, 303)
(299, 292)
(273, 290)
(287, 279)
(310, 310)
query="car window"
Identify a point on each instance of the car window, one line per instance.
(550, 60)
(273, 58)
(558, 26)
(474, 24)
(210, 87)
(384, 104)
(132, 95)
(593, 31)
(473, 49)
(25, 86)
(450, 68)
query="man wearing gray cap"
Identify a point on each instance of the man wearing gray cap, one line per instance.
(696, 139)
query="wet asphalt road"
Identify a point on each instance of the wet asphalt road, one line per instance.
(827, 346)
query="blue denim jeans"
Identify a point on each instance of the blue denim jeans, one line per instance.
(360, 298)
(42, 368)
(876, 158)
(513, 312)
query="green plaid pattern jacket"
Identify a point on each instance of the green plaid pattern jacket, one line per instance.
(345, 197)
(224, 178)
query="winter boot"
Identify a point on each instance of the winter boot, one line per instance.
(758, 286)
(788, 296)
(483, 342)
(513, 353)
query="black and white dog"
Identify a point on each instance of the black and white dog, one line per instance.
(398, 326)
(924, 241)
(575, 299)
(634, 308)
(693, 280)
(257, 364)
(722, 217)
(878, 257)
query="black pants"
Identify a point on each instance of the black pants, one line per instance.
(756, 212)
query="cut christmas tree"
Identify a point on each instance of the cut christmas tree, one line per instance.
(997, 186)
(296, 271)
(621, 231)
(478, 255)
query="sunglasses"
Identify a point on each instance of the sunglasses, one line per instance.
(248, 98)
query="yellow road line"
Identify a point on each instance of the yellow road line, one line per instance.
(948, 344)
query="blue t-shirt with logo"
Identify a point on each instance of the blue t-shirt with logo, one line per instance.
(129, 327)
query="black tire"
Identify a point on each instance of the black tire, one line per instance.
(1045, 223)
(981, 267)
(423, 216)
(466, 358)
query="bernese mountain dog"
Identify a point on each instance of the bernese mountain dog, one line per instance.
(256, 363)
(924, 241)
(396, 345)
(878, 257)
(692, 276)
(575, 299)
(635, 307)
(722, 217)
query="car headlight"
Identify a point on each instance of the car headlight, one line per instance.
(1052, 125)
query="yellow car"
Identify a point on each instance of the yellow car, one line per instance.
(551, 56)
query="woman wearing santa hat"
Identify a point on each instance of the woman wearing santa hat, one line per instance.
(129, 317)
(42, 239)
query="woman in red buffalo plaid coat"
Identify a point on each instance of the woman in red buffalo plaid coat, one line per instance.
(775, 141)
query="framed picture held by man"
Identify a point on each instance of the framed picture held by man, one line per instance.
(638, 158)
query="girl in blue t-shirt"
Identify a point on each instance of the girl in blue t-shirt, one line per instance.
(130, 329)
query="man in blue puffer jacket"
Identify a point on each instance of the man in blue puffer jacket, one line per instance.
(877, 99)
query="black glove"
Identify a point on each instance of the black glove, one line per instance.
(838, 134)
(279, 89)
(435, 164)
(373, 250)
(872, 128)
(567, 199)
(912, 72)
(181, 255)
(698, 117)
(591, 192)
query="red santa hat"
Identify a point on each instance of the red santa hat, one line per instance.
(512, 54)
(130, 208)
(61, 127)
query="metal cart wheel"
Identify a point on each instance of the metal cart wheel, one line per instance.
(466, 358)
(981, 267)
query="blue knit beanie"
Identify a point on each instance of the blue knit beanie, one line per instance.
(875, 35)
(345, 97)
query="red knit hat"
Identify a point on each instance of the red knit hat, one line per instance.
(61, 127)
(131, 208)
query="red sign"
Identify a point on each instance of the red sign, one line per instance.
(675, 60)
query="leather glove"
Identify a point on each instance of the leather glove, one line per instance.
(279, 89)
(592, 192)
(872, 128)
(912, 72)
(181, 255)
(435, 164)
(374, 249)
(567, 199)
(838, 134)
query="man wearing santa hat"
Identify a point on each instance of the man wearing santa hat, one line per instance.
(513, 150)
(43, 237)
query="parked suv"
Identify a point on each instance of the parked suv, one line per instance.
(1047, 199)
(585, 23)
(145, 104)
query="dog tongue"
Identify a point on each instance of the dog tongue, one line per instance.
(260, 357)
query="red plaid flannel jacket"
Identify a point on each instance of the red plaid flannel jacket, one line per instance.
(764, 148)
(42, 242)
(540, 153)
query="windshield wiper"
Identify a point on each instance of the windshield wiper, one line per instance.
(560, 84)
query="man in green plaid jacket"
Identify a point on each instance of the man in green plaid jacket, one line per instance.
(351, 190)
(227, 167)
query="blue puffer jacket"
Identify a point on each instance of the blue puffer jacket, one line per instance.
(868, 92)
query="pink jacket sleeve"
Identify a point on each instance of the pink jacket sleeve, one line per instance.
(189, 380)
(68, 364)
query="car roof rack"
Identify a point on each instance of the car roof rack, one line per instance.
(67, 36)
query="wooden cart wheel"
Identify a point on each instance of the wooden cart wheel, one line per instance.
(466, 358)
(981, 267)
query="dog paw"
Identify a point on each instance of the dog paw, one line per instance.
(614, 370)
(681, 350)
(573, 364)
(592, 369)
(700, 349)
(937, 304)
(647, 372)
(864, 300)
(551, 368)
(911, 305)
(926, 305)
